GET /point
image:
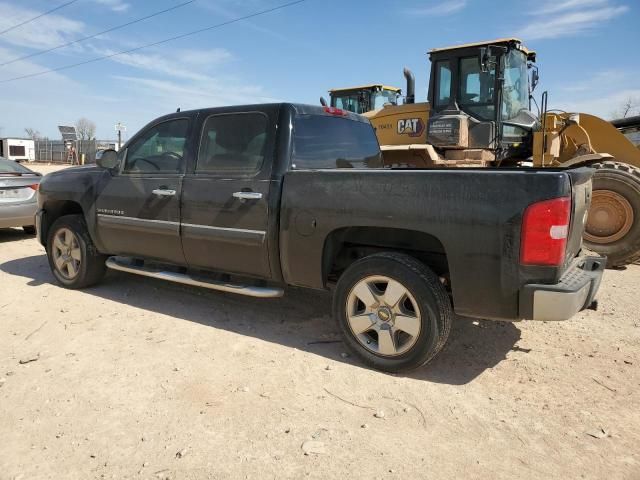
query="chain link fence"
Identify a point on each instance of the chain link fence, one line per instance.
(56, 151)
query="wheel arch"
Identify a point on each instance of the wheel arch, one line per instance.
(588, 160)
(54, 209)
(345, 245)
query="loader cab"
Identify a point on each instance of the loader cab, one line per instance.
(479, 97)
(364, 98)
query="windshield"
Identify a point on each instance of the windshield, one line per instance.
(515, 96)
(363, 101)
(353, 102)
(384, 96)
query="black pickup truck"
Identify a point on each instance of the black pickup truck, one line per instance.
(250, 199)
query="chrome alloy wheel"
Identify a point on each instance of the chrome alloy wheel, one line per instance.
(383, 315)
(66, 253)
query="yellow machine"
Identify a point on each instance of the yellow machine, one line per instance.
(479, 114)
(363, 98)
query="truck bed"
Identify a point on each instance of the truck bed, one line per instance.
(473, 216)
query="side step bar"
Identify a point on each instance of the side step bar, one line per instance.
(121, 264)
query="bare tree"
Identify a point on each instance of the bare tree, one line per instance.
(86, 129)
(628, 108)
(32, 133)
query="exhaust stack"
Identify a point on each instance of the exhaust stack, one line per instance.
(411, 86)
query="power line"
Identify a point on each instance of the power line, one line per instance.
(160, 42)
(117, 27)
(37, 17)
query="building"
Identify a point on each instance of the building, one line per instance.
(18, 149)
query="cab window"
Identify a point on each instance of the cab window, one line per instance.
(158, 150)
(233, 142)
(476, 88)
(324, 141)
(443, 83)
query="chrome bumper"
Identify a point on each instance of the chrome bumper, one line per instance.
(575, 291)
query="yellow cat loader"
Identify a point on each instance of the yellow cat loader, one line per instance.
(479, 114)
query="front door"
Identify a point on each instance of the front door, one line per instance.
(225, 202)
(138, 210)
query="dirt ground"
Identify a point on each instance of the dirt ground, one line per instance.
(136, 378)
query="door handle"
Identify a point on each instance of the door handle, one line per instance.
(162, 192)
(247, 195)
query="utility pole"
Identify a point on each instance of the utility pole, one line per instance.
(120, 128)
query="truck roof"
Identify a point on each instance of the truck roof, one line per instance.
(298, 108)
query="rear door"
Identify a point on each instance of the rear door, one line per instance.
(138, 209)
(225, 202)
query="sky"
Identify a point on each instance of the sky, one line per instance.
(587, 53)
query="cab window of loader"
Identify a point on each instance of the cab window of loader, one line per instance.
(477, 88)
(354, 102)
(443, 83)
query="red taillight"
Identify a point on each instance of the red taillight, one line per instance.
(34, 186)
(335, 111)
(545, 227)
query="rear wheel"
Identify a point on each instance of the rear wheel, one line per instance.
(613, 225)
(393, 311)
(73, 257)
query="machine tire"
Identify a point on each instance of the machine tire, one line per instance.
(425, 292)
(90, 266)
(622, 180)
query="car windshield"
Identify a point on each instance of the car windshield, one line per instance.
(515, 96)
(9, 167)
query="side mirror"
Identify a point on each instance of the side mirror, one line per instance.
(485, 59)
(107, 158)
(535, 77)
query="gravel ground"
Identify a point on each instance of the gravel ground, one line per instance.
(136, 378)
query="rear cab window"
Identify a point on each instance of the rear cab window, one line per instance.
(333, 141)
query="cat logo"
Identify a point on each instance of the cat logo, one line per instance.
(412, 127)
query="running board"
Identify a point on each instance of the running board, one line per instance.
(119, 263)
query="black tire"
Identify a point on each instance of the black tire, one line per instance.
(92, 263)
(624, 180)
(435, 317)
(29, 229)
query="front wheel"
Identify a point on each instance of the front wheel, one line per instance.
(393, 311)
(613, 225)
(73, 257)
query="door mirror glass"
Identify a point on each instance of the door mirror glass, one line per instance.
(535, 77)
(107, 158)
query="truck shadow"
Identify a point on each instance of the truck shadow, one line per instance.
(301, 319)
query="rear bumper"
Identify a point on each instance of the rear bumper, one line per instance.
(575, 291)
(19, 215)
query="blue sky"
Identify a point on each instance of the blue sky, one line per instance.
(587, 53)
